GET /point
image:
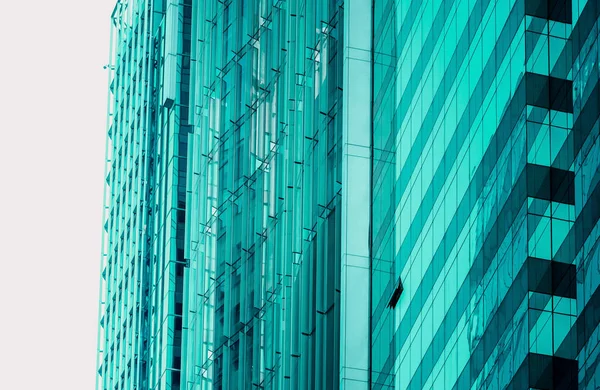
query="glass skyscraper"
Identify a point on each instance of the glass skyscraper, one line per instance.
(358, 194)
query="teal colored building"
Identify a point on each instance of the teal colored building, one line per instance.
(382, 194)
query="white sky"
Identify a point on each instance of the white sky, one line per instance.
(52, 127)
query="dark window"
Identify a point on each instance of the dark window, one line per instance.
(396, 294)
(549, 92)
(549, 183)
(558, 10)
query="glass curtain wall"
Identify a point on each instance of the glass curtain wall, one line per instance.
(483, 214)
(143, 260)
(264, 187)
(385, 194)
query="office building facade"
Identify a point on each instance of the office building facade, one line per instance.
(353, 194)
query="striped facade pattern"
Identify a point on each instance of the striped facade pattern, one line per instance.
(384, 194)
(483, 188)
